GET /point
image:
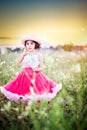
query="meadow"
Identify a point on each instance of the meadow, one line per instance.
(68, 111)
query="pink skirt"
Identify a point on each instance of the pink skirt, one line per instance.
(30, 85)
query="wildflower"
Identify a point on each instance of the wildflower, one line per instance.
(20, 117)
(3, 62)
(16, 73)
(78, 68)
(7, 106)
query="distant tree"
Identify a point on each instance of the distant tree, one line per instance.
(68, 47)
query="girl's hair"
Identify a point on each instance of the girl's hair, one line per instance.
(37, 44)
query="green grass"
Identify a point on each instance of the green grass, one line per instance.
(68, 111)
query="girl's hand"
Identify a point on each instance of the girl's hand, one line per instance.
(35, 69)
(38, 69)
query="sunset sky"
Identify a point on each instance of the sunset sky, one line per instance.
(56, 21)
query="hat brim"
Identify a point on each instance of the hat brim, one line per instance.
(31, 38)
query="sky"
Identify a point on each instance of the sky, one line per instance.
(55, 21)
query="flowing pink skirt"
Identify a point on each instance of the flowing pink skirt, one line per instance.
(29, 85)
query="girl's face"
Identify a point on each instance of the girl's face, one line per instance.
(30, 46)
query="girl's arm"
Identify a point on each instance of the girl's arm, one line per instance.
(20, 59)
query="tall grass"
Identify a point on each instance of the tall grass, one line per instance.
(68, 111)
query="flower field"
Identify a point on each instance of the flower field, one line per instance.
(68, 111)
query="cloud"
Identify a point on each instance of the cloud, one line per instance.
(7, 38)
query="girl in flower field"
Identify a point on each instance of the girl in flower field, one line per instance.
(31, 83)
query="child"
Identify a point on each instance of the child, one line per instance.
(31, 83)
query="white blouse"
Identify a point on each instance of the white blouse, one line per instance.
(31, 60)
